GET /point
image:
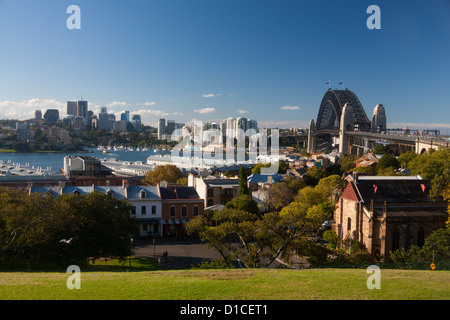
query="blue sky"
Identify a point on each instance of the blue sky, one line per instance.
(214, 59)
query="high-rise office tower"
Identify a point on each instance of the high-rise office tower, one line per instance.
(82, 110)
(161, 128)
(103, 121)
(77, 108)
(136, 121)
(170, 127)
(72, 108)
(38, 115)
(125, 116)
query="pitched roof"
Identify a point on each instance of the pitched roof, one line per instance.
(179, 193)
(351, 192)
(395, 190)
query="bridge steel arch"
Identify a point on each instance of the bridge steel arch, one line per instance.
(329, 117)
(330, 111)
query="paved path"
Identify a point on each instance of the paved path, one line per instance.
(182, 254)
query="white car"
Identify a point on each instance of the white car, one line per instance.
(327, 224)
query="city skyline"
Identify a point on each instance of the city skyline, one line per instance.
(205, 60)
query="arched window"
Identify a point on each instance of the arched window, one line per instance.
(143, 194)
(184, 211)
(195, 211)
(395, 240)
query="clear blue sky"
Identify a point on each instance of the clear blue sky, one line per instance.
(254, 56)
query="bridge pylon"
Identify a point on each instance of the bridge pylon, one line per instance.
(347, 123)
(311, 138)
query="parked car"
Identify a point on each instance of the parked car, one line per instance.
(327, 224)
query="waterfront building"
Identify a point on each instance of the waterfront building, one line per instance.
(85, 166)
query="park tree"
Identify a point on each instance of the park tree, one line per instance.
(387, 161)
(313, 175)
(347, 163)
(169, 173)
(39, 231)
(261, 239)
(243, 203)
(101, 226)
(243, 187)
(26, 228)
(279, 196)
(435, 166)
(283, 166)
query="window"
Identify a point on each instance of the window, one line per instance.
(144, 210)
(195, 211)
(172, 211)
(349, 224)
(184, 211)
(143, 194)
(153, 209)
(144, 227)
(133, 211)
(210, 192)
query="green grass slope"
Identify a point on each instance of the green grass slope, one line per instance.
(237, 284)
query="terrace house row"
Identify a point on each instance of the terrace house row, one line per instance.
(161, 211)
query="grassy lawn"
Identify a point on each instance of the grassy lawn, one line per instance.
(7, 151)
(237, 284)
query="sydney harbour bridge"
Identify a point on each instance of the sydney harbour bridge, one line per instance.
(343, 124)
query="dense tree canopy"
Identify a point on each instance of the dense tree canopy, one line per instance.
(39, 231)
(169, 173)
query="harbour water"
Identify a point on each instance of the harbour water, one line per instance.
(55, 161)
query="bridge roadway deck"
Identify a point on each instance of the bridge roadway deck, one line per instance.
(407, 139)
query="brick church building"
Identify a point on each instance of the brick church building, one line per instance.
(387, 213)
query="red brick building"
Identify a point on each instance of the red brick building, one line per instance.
(179, 205)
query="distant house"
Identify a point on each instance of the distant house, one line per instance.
(263, 181)
(145, 200)
(180, 204)
(387, 213)
(213, 189)
(368, 160)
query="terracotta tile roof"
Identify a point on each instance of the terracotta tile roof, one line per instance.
(351, 193)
